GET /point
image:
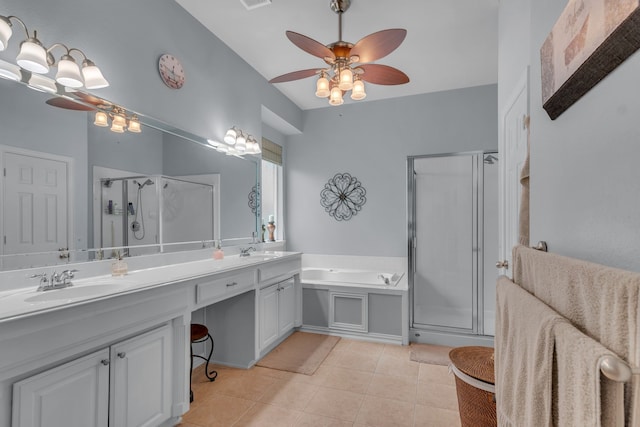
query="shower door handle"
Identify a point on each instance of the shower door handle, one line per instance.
(502, 264)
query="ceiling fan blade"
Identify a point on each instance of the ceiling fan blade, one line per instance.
(295, 75)
(309, 45)
(378, 45)
(382, 75)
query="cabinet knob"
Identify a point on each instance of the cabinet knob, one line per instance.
(105, 362)
(502, 264)
(122, 355)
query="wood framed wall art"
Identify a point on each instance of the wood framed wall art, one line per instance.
(589, 40)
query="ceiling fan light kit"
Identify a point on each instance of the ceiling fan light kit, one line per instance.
(349, 65)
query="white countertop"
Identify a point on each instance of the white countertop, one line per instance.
(25, 302)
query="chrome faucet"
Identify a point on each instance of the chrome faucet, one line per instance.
(57, 281)
(245, 251)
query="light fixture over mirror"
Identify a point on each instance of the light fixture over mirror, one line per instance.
(237, 143)
(34, 57)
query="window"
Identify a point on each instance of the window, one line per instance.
(272, 187)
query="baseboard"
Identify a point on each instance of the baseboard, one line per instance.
(449, 338)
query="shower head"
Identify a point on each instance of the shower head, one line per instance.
(490, 159)
(141, 186)
(107, 183)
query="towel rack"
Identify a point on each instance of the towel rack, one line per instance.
(615, 369)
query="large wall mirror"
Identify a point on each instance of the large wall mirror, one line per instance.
(74, 191)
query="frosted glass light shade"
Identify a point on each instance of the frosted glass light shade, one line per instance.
(241, 143)
(5, 33)
(101, 119)
(230, 136)
(222, 148)
(134, 125)
(93, 78)
(358, 92)
(33, 57)
(42, 84)
(346, 79)
(116, 128)
(322, 87)
(213, 143)
(69, 73)
(336, 96)
(119, 119)
(9, 71)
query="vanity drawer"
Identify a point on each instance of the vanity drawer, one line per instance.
(217, 288)
(275, 269)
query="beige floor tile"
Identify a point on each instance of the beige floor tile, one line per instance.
(376, 411)
(183, 424)
(343, 344)
(312, 420)
(437, 395)
(289, 394)
(367, 347)
(333, 357)
(260, 370)
(218, 411)
(435, 374)
(261, 415)
(248, 387)
(317, 378)
(358, 361)
(347, 379)
(427, 416)
(394, 366)
(396, 388)
(333, 403)
(400, 351)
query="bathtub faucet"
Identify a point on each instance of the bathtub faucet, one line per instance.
(245, 251)
(384, 279)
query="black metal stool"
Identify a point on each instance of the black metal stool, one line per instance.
(200, 333)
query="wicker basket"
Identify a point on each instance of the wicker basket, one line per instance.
(477, 407)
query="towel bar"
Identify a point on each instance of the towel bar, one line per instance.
(615, 369)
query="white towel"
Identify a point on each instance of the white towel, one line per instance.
(524, 344)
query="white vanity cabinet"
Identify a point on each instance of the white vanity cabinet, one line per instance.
(127, 384)
(277, 307)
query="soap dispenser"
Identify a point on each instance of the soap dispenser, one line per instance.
(119, 267)
(218, 253)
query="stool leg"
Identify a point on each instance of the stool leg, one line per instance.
(190, 371)
(213, 374)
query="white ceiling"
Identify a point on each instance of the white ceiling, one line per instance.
(450, 44)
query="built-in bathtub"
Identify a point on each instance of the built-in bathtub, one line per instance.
(346, 277)
(364, 301)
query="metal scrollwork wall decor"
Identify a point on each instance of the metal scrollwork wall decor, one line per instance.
(343, 196)
(254, 200)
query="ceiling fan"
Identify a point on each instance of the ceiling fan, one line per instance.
(348, 64)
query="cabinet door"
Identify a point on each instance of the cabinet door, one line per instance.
(286, 306)
(75, 394)
(141, 378)
(268, 315)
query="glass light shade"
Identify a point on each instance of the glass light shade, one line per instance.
(346, 79)
(336, 96)
(33, 57)
(241, 144)
(222, 148)
(213, 143)
(42, 84)
(9, 71)
(116, 128)
(230, 136)
(134, 125)
(322, 87)
(5, 32)
(358, 93)
(93, 78)
(119, 120)
(102, 119)
(69, 73)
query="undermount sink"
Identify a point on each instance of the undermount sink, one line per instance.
(75, 292)
(261, 257)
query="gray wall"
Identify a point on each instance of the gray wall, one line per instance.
(585, 179)
(371, 141)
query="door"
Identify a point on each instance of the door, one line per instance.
(75, 394)
(35, 207)
(286, 306)
(268, 315)
(515, 130)
(141, 378)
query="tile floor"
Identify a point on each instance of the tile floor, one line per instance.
(359, 384)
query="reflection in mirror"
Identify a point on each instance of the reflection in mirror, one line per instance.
(54, 198)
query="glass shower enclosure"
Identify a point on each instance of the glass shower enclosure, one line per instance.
(453, 242)
(149, 214)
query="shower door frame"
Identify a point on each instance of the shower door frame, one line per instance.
(477, 244)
